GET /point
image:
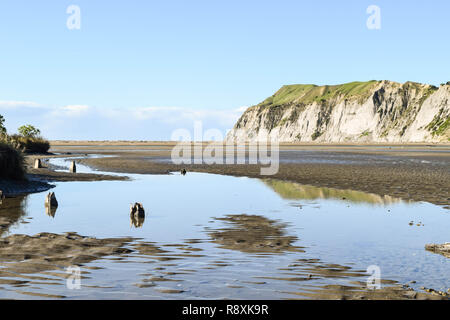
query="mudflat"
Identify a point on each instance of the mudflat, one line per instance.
(411, 172)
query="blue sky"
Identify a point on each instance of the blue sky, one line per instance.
(177, 61)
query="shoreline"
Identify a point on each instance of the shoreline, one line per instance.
(172, 143)
(410, 174)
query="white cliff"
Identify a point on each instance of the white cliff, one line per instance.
(375, 111)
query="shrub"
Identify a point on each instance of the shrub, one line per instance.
(11, 162)
(30, 144)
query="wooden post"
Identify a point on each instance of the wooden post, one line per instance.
(37, 164)
(73, 167)
(50, 200)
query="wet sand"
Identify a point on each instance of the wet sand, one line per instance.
(49, 174)
(253, 234)
(443, 249)
(29, 261)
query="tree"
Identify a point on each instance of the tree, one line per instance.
(2, 126)
(29, 131)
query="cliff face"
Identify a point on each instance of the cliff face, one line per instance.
(375, 111)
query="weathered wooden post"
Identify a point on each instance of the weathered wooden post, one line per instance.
(73, 167)
(137, 210)
(37, 164)
(50, 200)
(137, 215)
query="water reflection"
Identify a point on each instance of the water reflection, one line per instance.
(295, 191)
(51, 204)
(51, 211)
(11, 212)
(137, 221)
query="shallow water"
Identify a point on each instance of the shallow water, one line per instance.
(305, 229)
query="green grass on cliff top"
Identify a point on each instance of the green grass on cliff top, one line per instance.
(308, 93)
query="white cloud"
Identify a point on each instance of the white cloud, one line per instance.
(70, 111)
(174, 114)
(18, 104)
(242, 109)
(79, 122)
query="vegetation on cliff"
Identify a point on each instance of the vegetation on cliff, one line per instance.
(309, 93)
(440, 124)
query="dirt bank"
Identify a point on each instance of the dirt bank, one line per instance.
(47, 172)
(39, 180)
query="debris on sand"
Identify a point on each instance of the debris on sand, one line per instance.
(443, 249)
(436, 292)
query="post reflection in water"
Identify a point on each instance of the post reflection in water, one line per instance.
(12, 210)
(50, 211)
(137, 221)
